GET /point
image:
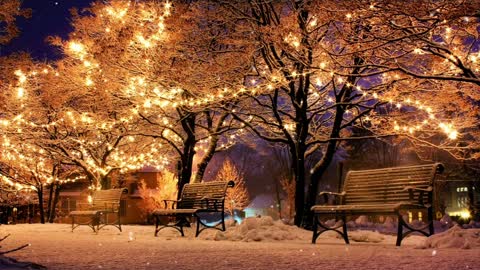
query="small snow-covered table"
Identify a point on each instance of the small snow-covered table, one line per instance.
(381, 192)
(104, 202)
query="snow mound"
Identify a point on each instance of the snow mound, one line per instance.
(362, 221)
(266, 229)
(456, 237)
(365, 236)
(259, 229)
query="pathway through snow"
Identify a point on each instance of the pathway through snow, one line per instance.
(255, 244)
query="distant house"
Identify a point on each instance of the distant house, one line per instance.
(456, 196)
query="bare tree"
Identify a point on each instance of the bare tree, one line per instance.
(319, 69)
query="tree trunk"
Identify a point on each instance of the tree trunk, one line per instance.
(185, 172)
(105, 182)
(202, 166)
(278, 197)
(40, 203)
(299, 188)
(315, 180)
(52, 215)
(50, 199)
(186, 166)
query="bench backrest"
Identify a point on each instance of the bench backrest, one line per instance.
(107, 199)
(194, 194)
(387, 185)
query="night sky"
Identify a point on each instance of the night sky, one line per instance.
(49, 17)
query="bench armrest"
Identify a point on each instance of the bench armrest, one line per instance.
(337, 197)
(173, 203)
(421, 191)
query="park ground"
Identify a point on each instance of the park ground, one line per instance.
(274, 246)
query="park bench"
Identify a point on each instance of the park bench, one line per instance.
(195, 200)
(104, 203)
(388, 191)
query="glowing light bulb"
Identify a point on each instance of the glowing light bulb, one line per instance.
(88, 82)
(20, 92)
(76, 47)
(453, 135)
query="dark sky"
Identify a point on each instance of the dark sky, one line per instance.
(49, 17)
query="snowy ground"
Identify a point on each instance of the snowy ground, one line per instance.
(256, 244)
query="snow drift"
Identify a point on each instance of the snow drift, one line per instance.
(456, 237)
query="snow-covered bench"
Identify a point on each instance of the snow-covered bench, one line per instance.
(195, 199)
(381, 192)
(104, 203)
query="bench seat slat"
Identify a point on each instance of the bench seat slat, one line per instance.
(396, 169)
(164, 212)
(365, 207)
(374, 174)
(84, 213)
(394, 185)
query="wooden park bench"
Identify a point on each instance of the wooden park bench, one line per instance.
(196, 199)
(104, 203)
(381, 192)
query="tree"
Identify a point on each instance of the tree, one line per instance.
(288, 186)
(237, 196)
(54, 109)
(320, 69)
(159, 65)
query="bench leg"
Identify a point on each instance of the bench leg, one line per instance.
(317, 223)
(315, 228)
(223, 221)
(103, 220)
(197, 231)
(119, 222)
(182, 221)
(96, 223)
(219, 225)
(157, 223)
(400, 230)
(73, 223)
(91, 223)
(179, 224)
(344, 227)
(409, 229)
(431, 228)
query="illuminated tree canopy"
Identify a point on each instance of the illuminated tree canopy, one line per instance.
(164, 83)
